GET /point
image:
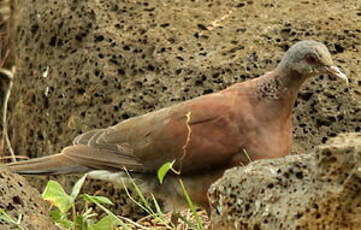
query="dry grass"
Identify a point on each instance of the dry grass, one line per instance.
(7, 71)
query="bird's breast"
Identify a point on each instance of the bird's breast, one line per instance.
(270, 140)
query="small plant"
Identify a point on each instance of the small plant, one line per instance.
(164, 169)
(66, 216)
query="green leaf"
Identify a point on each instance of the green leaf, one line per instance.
(97, 199)
(60, 218)
(77, 187)
(55, 194)
(191, 206)
(100, 199)
(163, 170)
(80, 223)
(156, 205)
(106, 223)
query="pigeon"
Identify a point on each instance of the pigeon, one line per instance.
(201, 137)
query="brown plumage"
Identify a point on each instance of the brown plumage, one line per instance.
(205, 135)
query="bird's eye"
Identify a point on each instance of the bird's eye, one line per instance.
(311, 59)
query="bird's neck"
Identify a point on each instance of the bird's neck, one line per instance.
(279, 88)
(289, 79)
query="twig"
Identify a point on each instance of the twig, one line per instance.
(247, 155)
(17, 157)
(10, 75)
(134, 223)
(218, 22)
(7, 53)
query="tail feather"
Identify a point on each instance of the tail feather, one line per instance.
(77, 159)
(50, 165)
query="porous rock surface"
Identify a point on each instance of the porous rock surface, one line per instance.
(18, 198)
(92, 63)
(321, 190)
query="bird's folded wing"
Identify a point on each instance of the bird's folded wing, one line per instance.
(101, 158)
(146, 142)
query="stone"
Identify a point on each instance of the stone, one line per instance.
(18, 198)
(320, 190)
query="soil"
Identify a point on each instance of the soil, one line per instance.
(90, 64)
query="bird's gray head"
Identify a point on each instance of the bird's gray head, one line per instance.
(310, 58)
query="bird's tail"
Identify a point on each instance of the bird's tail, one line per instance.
(50, 165)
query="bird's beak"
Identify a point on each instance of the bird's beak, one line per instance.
(336, 72)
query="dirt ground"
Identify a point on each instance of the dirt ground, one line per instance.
(90, 64)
